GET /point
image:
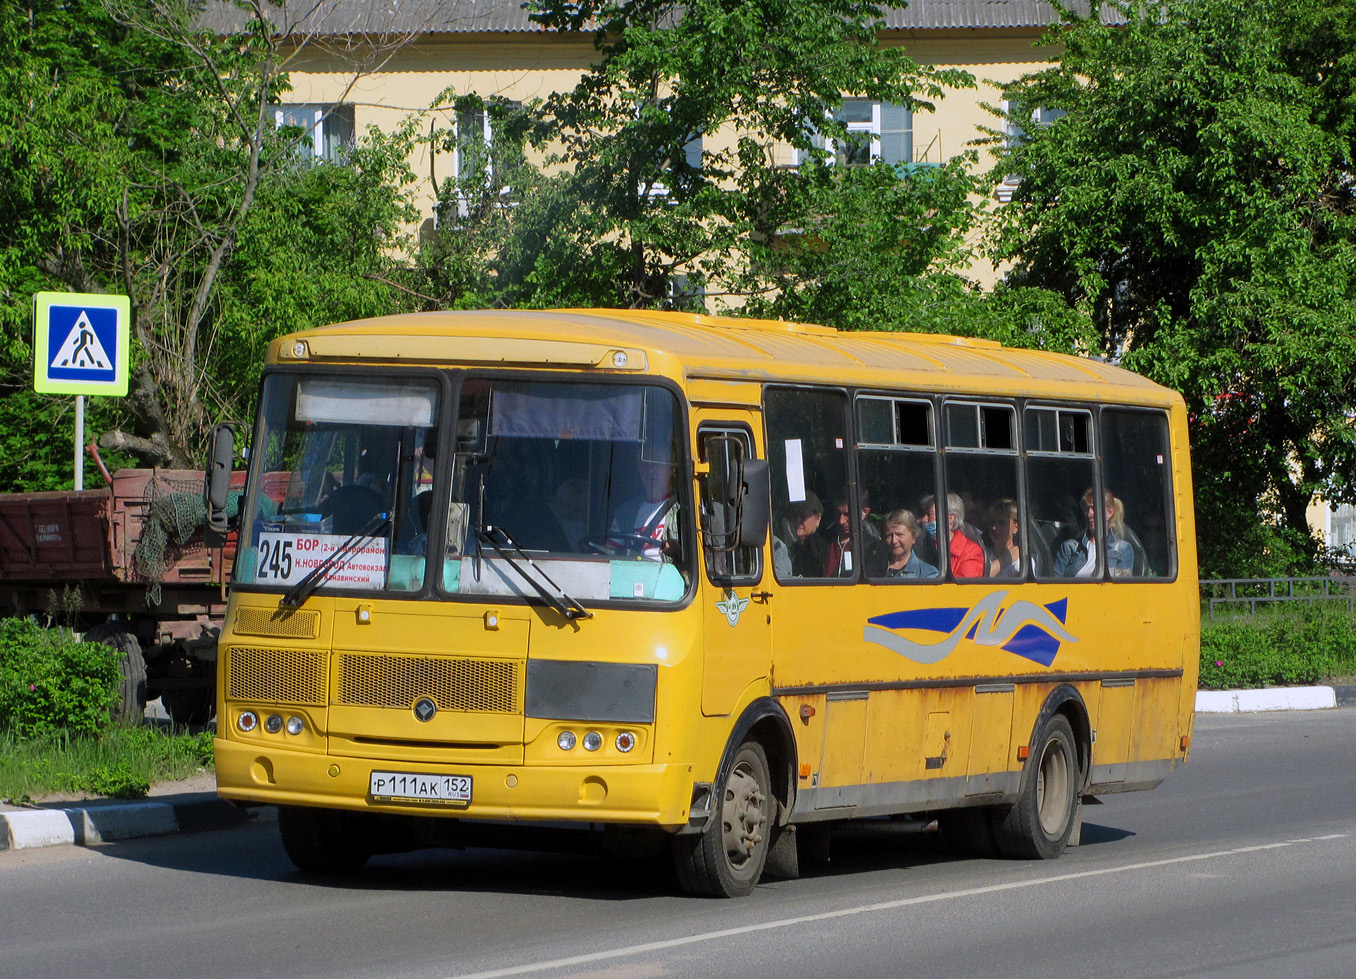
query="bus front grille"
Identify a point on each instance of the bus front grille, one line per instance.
(373, 680)
(288, 676)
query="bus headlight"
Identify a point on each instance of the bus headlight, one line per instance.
(566, 740)
(273, 723)
(295, 726)
(593, 741)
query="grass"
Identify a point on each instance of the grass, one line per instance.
(121, 763)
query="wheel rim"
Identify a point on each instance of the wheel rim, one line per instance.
(743, 817)
(1053, 782)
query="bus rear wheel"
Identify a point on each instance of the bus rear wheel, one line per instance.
(324, 841)
(1038, 825)
(727, 858)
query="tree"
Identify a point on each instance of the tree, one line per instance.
(142, 157)
(1196, 203)
(643, 200)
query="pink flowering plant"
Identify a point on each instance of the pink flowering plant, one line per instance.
(51, 683)
(1297, 647)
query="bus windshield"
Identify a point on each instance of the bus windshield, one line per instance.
(562, 491)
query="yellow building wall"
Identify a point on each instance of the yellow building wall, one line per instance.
(386, 89)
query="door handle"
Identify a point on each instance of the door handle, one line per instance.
(761, 596)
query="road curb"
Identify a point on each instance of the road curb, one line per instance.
(101, 821)
(1271, 698)
(86, 825)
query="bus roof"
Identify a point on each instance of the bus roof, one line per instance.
(689, 346)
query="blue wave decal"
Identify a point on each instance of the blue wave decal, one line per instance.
(1024, 628)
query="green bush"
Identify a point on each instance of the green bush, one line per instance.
(1297, 647)
(51, 683)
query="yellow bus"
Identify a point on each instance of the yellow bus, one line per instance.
(700, 580)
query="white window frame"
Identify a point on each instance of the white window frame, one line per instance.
(875, 127)
(315, 126)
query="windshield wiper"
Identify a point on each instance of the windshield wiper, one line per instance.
(302, 590)
(559, 599)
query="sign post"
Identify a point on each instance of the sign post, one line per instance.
(80, 346)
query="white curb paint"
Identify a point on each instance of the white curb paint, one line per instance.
(1271, 698)
(57, 827)
(46, 827)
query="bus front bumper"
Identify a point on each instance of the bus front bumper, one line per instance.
(644, 795)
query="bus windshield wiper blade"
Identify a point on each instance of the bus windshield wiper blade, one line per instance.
(557, 599)
(302, 590)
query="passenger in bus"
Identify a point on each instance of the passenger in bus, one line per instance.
(1077, 558)
(805, 549)
(839, 561)
(1003, 534)
(652, 513)
(902, 533)
(966, 555)
(927, 540)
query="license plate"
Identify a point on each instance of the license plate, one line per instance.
(412, 788)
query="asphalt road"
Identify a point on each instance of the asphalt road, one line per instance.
(1241, 865)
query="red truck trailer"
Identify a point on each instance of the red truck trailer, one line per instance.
(127, 566)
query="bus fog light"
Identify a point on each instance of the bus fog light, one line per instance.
(294, 725)
(593, 741)
(565, 740)
(273, 723)
(625, 741)
(247, 721)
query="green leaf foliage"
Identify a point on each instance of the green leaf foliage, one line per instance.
(647, 200)
(50, 682)
(1292, 648)
(1196, 202)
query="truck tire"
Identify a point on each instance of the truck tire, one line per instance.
(130, 706)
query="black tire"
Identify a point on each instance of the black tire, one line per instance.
(325, 841)
(190, 706)
(130, 706)
(727, 858)
(969, 832)
(1037, 826)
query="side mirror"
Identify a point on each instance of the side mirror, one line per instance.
(737, 496)
(754, 512)
(217, 482)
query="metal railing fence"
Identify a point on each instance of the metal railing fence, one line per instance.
(1227, 594)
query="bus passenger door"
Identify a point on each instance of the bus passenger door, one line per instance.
(737, 644)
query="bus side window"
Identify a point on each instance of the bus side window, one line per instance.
(1136, 470)
(741, 565)
(807, 457)
(981, 475)
(1059, 469)
(896, 474)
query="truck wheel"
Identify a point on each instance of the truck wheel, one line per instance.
(130, 706)
(190, 706)
(324, 841)
(727, 859)
(1038, 824)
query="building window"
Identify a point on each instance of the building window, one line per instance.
(1013, 134)
(877, 132)
(326, 130)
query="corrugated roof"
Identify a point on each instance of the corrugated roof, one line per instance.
(343, 17)
(724, 347)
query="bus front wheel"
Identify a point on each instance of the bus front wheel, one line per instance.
(727, 858)
(1039, 823)
(324, 841)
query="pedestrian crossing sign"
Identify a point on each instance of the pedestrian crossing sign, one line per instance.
(80, 343)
